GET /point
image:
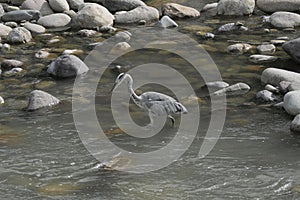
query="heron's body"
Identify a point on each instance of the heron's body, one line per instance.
(157, 104)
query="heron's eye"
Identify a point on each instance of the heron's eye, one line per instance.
(121, 76)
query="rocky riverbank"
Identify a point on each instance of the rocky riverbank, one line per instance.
(42, 26)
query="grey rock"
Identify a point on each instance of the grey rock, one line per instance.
(291, 102)
(232, 27)
(236, 89)
(266, 49)
(59, 5)
(295, 125)
(19, 35)
(209, 6)
(284, 86)
(54, 20)
(239, 48)
(67, 66)
(13, 72)
(1, 10)
(8, 64)
(175, 11)
(292, 48)
(235, 7)
(122, 5)
(107, 29)
(86, 32)
(41, 5)
(9, 8)
(259, 59)
(11, 24)
(92, 15)
(123, 36)
(34, 28)
(271, 88)
(17, 2)
(266, 96)
(285, 20)
(75, 4)
(4, 30)
(120, 47)
(147, 13)
(4, 47)
(274, 76)
(41, 54)
(278, 5)
(20, 15)
(209, 36)
(1, 100)
(216, 85)
(167, 22)
(39, 99)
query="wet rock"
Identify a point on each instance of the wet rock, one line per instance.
(266, 96)
(120, 48)
(9, 8)
(40, 5)
(235, 7)
(285, 20)
(20, 15)
(34, 28)
(13, 72)
(10, 63)
(291, 102)
(284, 86)
(232, 27)
(215, 85)
(259, 59)
(277, 42)
(274, 76)
(92, 15)
(1, 100)
(4, 47)
(59, 5)
(19, 35)
(11, 24)
(295, 125)
(4, 30)
(41, 54)
(167, 22)
(54, 20)
(67, 66)
(266, 49)
(292, 48)
(87, 32)
(107, 29)
(123, 36)
(122, 5)
(175, 11)
(1, 10)
(209, 36)
(272, 89)
(236, 89)
(17, 2)
(40, 99)
(147, 13)
(75, 4)
(278, 5)
(239, 48)
(72, 51)
(209, 7)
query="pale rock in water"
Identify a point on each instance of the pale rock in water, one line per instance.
(236, 89)
(266, 96)
(291, 102)
(258, 59)
(40, 99)
(295, 125)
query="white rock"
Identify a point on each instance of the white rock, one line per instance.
(1, 100)
(258, 59)
(19, 35)
(167, 22)
(274, 76)
(235, 7)
(59, 5)
(55, 20)
(40, 99)
(285, 20)
(239, 48)
(291, 102)
(175, 10)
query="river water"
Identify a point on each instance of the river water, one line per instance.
(43, 157)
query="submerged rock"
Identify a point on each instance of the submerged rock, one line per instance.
(235, 7)
(285, 20)
(19, 35)
(295, 125)
(258, 59)
(292, 48)
(67, 66)
(8, 64)
(40, 99)
(146, 13)
(266, 49)
(239, 48)
(236, 89)
(175, 10)
(232, 27)
(291, 102)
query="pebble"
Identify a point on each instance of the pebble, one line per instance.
(236, 89)
(266, 49)
(259, 59)
(239, 48)
(1, 100)
(209, 36)
(41, 54)
(8, 64)
(86, 32)
(271, 88)
(232, 27)
(266, 96)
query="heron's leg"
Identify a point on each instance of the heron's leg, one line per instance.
(172, 120)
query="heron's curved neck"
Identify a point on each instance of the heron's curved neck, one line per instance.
(130, 89)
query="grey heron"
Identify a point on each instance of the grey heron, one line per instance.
(157, 104)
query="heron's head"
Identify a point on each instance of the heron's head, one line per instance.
(118, 80)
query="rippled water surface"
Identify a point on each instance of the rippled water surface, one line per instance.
(42, 156)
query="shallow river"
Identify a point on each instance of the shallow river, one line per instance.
(42, 156)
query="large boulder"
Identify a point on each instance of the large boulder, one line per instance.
(235, 7)
(293, 49)
(285, 20)
(142, 13)
(41, 5)
(92, 15)
(291, 102)
(175, 10)
(40, 99)
(20, 15)
(67, 66)
(122, 5)
(55, 20)
(278, 5)
(59, 5)
(4, 30)
(274, 76)
(19, 35)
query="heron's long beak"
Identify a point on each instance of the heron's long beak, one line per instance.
(114, 86)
